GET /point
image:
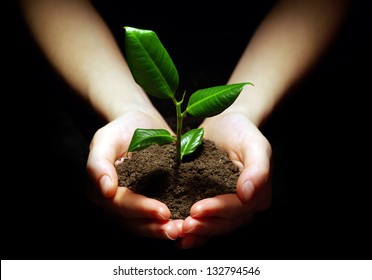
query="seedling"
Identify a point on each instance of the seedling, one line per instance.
(153, 70)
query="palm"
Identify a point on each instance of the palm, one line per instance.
(251, 151)
(139, 214)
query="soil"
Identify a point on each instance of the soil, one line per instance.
(154, 173)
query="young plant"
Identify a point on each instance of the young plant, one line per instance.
(153, 69)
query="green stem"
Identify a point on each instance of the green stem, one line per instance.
(179, 127)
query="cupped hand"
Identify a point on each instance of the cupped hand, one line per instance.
(251, 152)
(137, 213)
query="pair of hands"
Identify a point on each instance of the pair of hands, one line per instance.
(232, 132)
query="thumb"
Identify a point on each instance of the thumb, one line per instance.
(256, 172)
(251, 180)
(101, 166)
(103, 175)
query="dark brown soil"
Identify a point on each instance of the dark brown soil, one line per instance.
(154, 172)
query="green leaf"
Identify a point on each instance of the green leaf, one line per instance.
(191, 140)
(212, 101)
(143, 138)
(150, 64)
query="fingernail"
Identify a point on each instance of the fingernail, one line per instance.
(248, 189)
(106, 184)
(168, 236)
(160, 216)
(190, 230)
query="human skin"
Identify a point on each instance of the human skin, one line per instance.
(81, 48)
(287, 44)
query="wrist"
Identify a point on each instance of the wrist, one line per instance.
(254, 104)
(115, 99)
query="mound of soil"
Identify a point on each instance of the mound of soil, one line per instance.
(154, 172)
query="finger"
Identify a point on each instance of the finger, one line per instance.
(212, 226)
(104, 150)
(221, 206)
(153, 228)
(229, 206)
(256, 172)
(131, 205)
(179, 223)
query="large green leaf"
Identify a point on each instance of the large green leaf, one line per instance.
(212, 101)
(150, 63)
(143, 138)
(191, 140)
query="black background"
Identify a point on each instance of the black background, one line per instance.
(320, 137)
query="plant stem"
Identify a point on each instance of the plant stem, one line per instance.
(179, 127)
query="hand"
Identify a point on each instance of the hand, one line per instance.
(251, 152)
(138, 214)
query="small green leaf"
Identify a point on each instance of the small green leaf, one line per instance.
(191, 140)
(143, 138)
(212, 101)
(150, 64)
